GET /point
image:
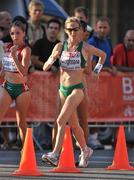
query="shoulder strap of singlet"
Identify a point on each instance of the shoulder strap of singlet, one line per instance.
(79, 48)
(64, 46)
(83, 61)
(20, 50)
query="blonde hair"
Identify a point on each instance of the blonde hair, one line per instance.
(73, 19)
(35, 3)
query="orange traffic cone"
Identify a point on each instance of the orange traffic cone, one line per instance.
(28, 160)
(120, 161)
(66, 161)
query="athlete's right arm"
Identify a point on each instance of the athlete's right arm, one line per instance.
(53, 57)
(102, 56)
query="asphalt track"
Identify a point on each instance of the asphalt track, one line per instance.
(101, 159)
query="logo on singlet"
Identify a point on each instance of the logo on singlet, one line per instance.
(8, 63)
(70, 60)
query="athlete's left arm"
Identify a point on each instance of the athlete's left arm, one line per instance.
(102, 56)
(22, 66)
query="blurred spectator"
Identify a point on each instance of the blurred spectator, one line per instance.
(5, 23)
(123, 53)
(1, 33)
(101, 40)
(85, 33)
(36, 29)
(82, 14)
(43, 47)
(41, 50)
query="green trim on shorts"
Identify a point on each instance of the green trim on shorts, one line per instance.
(14, 90)
(67, 90)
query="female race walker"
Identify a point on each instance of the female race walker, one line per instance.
(74, 55)
(15, 64)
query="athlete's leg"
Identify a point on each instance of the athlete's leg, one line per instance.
(70, 105)
(66, 113)
(77, 130)
(60, 101)
(54, 132)
(86, 152)
(22, 104)
(82, 111)
(5, 101)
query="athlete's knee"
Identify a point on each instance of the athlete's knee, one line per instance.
(60, 123)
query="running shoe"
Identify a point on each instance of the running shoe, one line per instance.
(84, 157)
(51, 158)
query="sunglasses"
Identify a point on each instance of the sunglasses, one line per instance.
(73, 29)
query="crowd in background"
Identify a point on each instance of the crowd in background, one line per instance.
(41, 37)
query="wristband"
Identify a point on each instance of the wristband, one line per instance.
(98, 68)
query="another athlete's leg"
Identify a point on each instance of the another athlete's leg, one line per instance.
(77, 130)
(82, 111)
(60, 102)
(5, 101)
(86, 152)
(22, 104)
